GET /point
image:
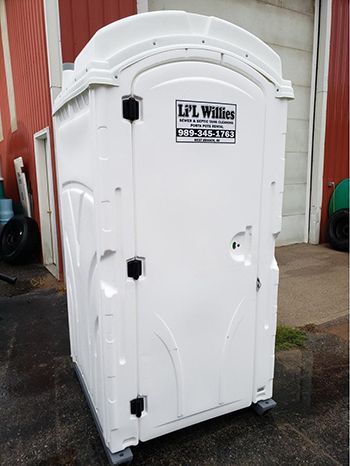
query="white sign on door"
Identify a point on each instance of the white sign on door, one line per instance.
(205, 122)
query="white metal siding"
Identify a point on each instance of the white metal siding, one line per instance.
(287, 26)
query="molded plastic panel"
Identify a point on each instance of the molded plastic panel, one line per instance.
(193, 335)
(196, 304)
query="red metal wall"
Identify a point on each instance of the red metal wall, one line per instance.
(336, 158)
(80, 19)
(26, 30)
(27, 42)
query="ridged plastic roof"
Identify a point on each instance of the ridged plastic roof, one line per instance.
(137, 36)
(149, 27)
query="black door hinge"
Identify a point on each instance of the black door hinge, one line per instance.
(134, 268)
(131, 109)
(137, 405)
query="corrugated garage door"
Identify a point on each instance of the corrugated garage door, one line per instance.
(287, 26)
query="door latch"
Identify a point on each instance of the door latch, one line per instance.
(134, 268)
(137, 406)
(131, 109)
(258, 284)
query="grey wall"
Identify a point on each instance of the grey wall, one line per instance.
(287, 26)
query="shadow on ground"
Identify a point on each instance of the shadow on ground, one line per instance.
(45, 420)
(30, 277)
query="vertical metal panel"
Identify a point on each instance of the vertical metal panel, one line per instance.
(7, 63)
(26, 31)
(336, 161)
(5, 110)
(25, 21)
(80, 19)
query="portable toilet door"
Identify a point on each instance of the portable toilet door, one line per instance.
(170, 135)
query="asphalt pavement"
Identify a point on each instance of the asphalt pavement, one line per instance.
(46, 421)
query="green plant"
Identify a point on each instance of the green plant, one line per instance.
(289, 337)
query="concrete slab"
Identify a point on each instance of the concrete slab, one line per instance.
(314, 284)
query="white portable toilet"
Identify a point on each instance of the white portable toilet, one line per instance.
(170, 132)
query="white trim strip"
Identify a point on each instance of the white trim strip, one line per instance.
(311, 118)
(142, 6)
(53, 46)
(46, 200)
(319, 121)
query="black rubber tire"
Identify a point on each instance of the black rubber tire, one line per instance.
(20, 240)
(338, 230)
